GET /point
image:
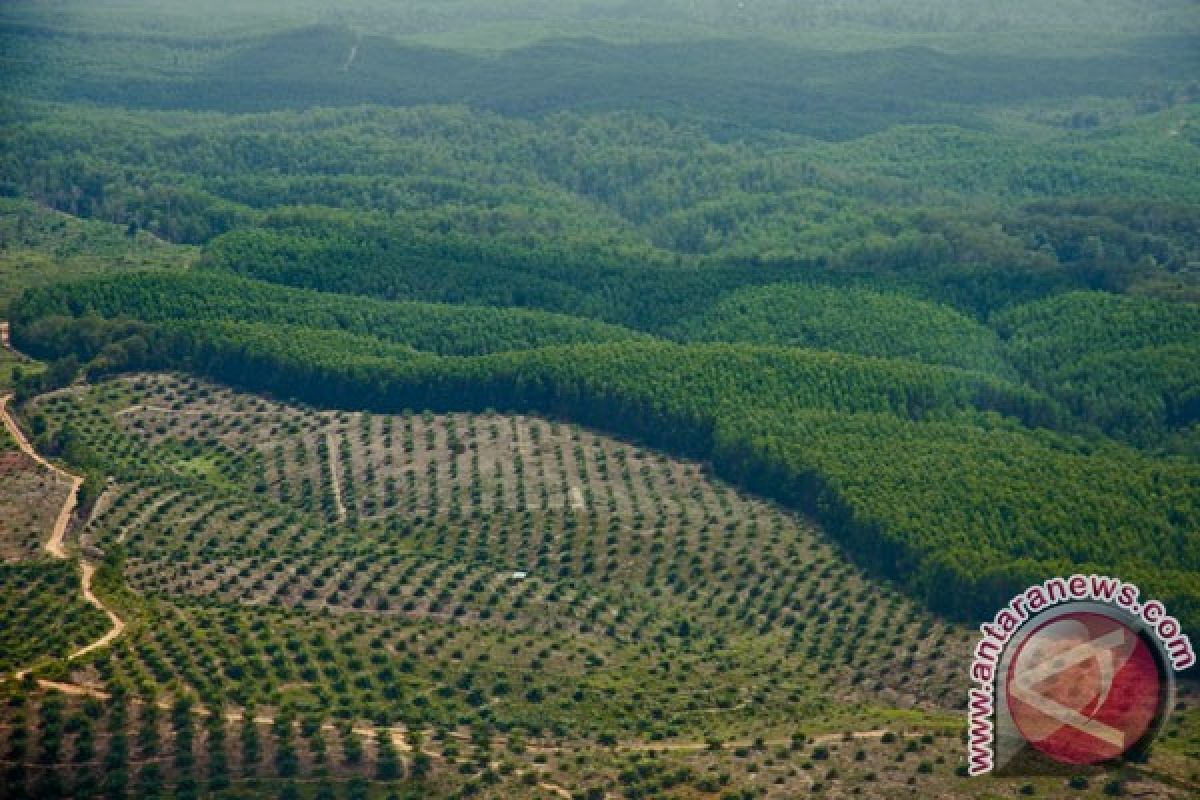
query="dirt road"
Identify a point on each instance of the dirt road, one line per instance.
(400, 736)
(334, 480)
(56, 544)
(118, 624)
(684, 747)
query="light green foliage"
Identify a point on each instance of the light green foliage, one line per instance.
(850, 320)
(40, 247)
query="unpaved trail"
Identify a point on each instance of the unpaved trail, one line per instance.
(719, 709)
(334, 481)
(75, 689)
(56, 544)
(353, 54)
(554, 788)
(677, 747)
(400, 736)
(118, 624)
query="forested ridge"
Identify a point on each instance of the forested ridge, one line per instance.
(625, 217)
(850, 319)
(844, 437)
(1130, 365)
(759, 84)
(438, 328)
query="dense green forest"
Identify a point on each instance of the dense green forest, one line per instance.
(438, 328)
(1127, 364)
(849, 319)
(925, 271)
(762, 85)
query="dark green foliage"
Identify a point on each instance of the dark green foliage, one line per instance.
(761, 84)
(995, 507)
(600, 216)
(1060, 331)
(444, 329)
(1105, 239)
(1128, 364)
(850, 320)
(376, 257)
(699, 381)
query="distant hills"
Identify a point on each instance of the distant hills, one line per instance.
(733, 84)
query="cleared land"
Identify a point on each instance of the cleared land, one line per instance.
(537, 609)
(30, 502)
(41, 611)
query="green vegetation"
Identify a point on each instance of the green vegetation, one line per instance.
(267, 523)
(43, 597)
(12, 369)
(750, 410)
(924, 271)
(444, 329)
(760, 84)
(850, 320)
(40, 247)
(459, 206)
(1127, 364)
(360, 568)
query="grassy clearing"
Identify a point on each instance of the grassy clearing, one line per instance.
(39, 247)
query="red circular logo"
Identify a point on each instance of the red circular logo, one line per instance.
(1083, 688)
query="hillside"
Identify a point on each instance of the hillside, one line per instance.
(764, 84)
(850, 320)
(742, 408)
(229, 510)
(591, 399)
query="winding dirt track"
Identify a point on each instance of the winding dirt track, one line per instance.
(118, 624)
(55, 545)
